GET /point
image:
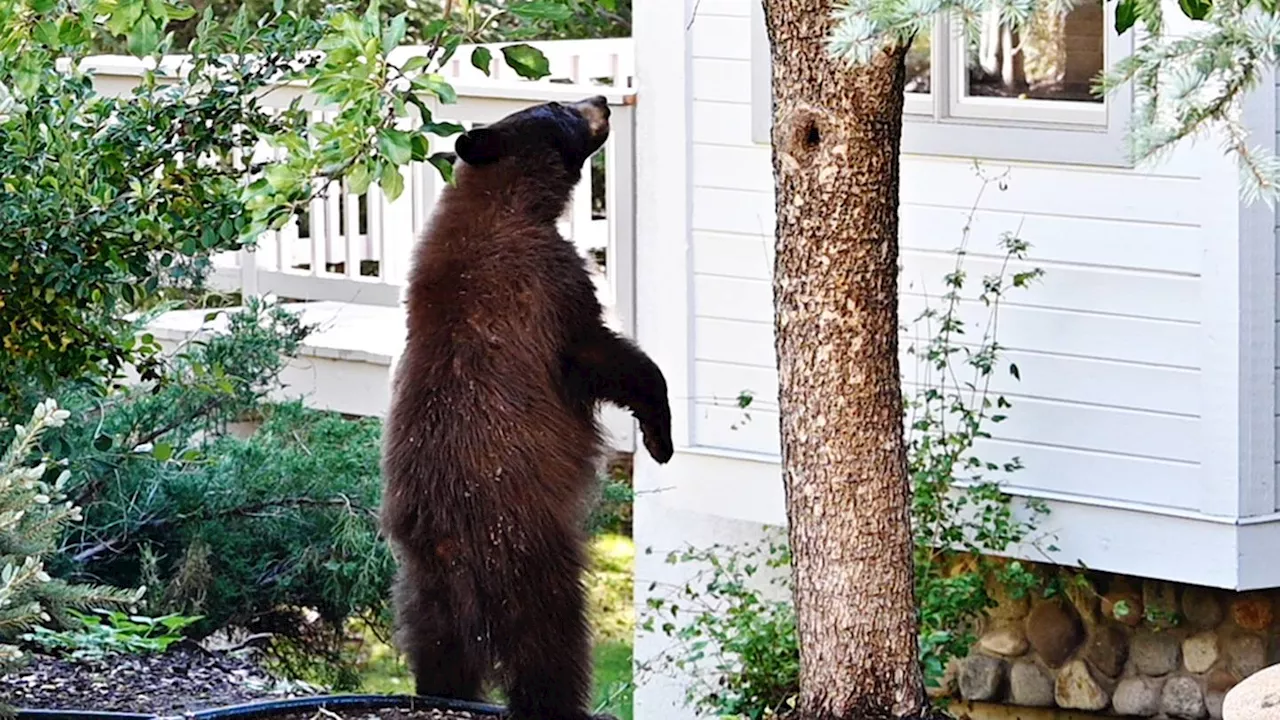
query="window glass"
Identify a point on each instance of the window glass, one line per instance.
(1056, 56)
(919, 64)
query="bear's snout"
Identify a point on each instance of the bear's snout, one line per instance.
(596, 112)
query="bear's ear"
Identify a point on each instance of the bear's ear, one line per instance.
(479, 146)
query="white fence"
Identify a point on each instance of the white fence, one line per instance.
(356, 248)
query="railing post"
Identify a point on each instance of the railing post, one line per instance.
(620, 261)
(580, 212)
(620, 178)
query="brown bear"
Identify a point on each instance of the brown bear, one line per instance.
(492, 441)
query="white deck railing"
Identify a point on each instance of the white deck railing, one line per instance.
(356, 248)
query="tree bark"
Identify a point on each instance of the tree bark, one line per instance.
(836, 136)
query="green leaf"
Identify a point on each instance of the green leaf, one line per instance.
(179, 12)
(528, 61)
(71, 31)
(443, 129)
(102, 443)
(444, 165)
(394, 34)
(1126, 15)
(413, 64)
(481, 57)
(125, 15)
(438, 86)
(1196, 9)
(359, 178)
(424, 112)
(46, 33)
(450, 47)
(282, 177)
(43, 6)
(144, 38)
(541, 10)
(162, 452)
(372, 14)
(421, 146)
(396, 145)
(391, 182)
(27, 75)
(435, 27)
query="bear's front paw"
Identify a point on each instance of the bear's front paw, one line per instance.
(658, 443)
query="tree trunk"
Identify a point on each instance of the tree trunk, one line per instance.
(836, 134)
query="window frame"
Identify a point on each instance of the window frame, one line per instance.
(991, 128)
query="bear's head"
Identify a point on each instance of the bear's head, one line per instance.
(551, 136)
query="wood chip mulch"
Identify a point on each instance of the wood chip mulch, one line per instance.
(171, 683)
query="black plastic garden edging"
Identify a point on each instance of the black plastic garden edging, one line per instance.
(271, 708)
(268, 708)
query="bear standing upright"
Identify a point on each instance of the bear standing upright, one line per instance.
(491, 442)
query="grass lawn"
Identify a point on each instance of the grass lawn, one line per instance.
(610, 585)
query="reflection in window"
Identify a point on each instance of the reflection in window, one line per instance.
(919, 64)
(1056, 56)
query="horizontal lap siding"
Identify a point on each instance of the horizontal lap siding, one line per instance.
(1107, 343)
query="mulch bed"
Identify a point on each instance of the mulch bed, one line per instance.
(180, 680)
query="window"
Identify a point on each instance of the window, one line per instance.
(1000, 94)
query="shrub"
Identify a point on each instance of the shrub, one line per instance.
(102, 205)
(741, 627)
(32, 514)
(108, 200)
(960, 517)
(253, 532)
(611, 512)
(233, 528)
(274, 533)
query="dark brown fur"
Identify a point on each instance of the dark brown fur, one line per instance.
(491, 443)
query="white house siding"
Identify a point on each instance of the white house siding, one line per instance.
(1142, 415)
(1146, 410)
(1108, 344)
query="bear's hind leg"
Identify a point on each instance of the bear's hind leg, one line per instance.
(548, 653)
(446, 657)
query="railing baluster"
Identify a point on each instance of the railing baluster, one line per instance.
(386, 270)
(332, 225)
(318, 218)
(354, 254)
(391, 228)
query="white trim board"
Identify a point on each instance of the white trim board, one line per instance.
(663, 203)
(1238, 329)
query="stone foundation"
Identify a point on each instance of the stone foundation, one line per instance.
(1138, 648)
